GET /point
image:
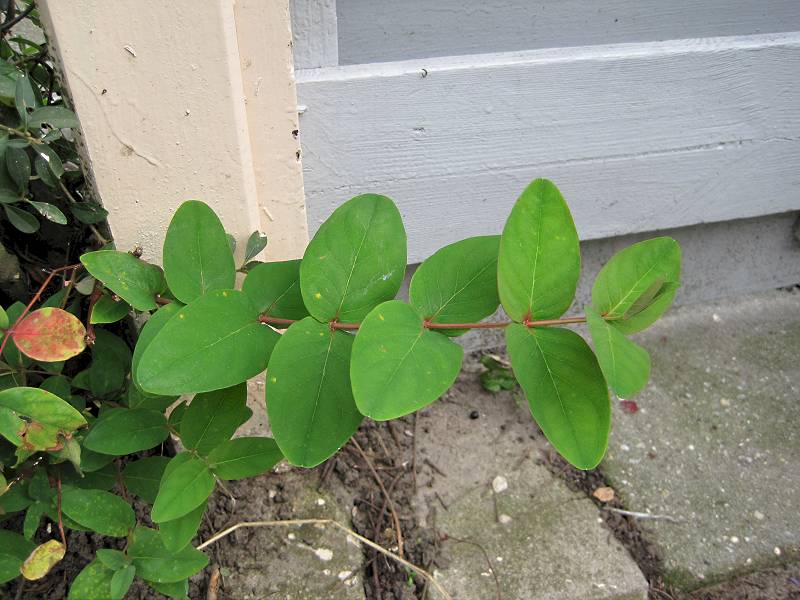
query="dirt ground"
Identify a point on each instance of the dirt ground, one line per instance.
(374, 479)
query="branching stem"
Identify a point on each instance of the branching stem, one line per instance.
(281, 323)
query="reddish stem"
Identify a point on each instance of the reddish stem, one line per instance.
(60, 520)
(428, 325)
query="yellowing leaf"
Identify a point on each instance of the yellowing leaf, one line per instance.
(43, 558)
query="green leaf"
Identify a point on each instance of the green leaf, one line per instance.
(356, 260)
(24, 98)
(22, 220)
(143, 476)
(154, 562)
(48, 417)
(7, 197)
(275, 289)
(49, 335)
(3, 318)
(177, 589)
(50, 212)
(638, 284)
(130, 278)
(153, 325)
(197, 258)
(89, 213)
(539, 260)
(212, 418)
(33, 517)
(112, 559)
(121, 582)
(625, 365)
(255, 244)
(14, 549)
(565, 388)
(111, 359)
(231, 242)
(177, 533)
(135, 398)
(215, 342)
(183, 488)
(100, 511)
(399, 366)
(56, 117)
(120, 431)
(458, 284)
(50, 159)
(19, 167)
(309, 401)
(92, 583)
(244, 457)
(108, 310)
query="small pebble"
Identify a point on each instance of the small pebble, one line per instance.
(504, 519)
(499, 484)
(777, 551)
(759, 515)
(474, 415)
(324, 554)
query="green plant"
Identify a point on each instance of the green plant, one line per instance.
(349, 350)
(33, 146)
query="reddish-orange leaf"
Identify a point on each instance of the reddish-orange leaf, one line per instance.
(49, 335)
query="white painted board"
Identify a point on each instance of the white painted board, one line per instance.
(640, 137)
(375, 31)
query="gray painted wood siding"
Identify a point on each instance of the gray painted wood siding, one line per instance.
(381, 30)
(639, 137)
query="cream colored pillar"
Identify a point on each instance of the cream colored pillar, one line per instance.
(181, 100)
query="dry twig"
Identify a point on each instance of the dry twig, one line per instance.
(324, 522)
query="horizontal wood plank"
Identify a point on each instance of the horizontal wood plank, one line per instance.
(371, 31)
(639, 136)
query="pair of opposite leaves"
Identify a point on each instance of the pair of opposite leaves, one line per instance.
(352, 269)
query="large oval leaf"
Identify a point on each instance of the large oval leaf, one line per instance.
(565, 388)
(14, 549)
(197, 257)
(143, 476)
(120, 431)
(154, 562)
(177, 533)
(133, 280)
(638, 284)
(244, 457)
(275, 289)
(186, 484)
(625, 364)
(398, 365)
(213, 417)
(50, 335)
(214, 342)
(458, 284)
(92, 583)
(355, 261)
(309, 401)
(153, 325)
(48, 418)
(98, 510)
(539, 260)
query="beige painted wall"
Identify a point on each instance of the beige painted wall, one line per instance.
(179, 102)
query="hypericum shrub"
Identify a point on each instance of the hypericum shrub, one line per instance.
(349, 350)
